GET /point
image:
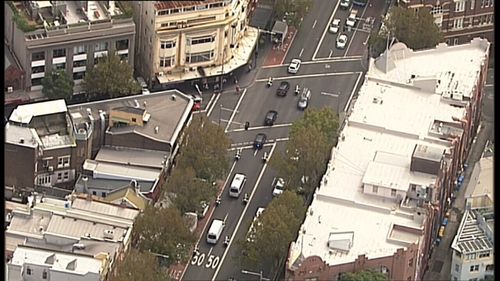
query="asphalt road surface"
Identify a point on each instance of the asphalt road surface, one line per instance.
(333, 82)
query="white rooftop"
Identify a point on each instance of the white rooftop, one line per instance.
(132, 156)
(25, 112)
(61, 262)
(20, 135)
(105, 170)
(387, 120)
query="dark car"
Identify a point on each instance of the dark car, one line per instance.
(270, 117)
(259, 141)
(283, 89)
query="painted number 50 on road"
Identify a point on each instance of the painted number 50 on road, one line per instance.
(212, 261)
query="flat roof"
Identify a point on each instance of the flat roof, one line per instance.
(387, 120)
(119, 171)
(62, 262)
(167, 113)
(111, 184)
(132, 156)
(90, 246)
(14, 134)
(25, 112)
(484, 184)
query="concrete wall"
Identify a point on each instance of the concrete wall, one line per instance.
(19, 165)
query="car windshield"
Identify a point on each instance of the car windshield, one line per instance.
(270, 115)
(259, 138)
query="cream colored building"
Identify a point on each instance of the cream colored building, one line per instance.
(184, 40)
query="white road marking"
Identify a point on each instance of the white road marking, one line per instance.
(261, 127)
(210, 101)
(289, 45)
(209, 252)
(244, 211)
(352, 93)
(301, 51)
(354, 33)
(330, 94)
(255, 153)
(319, 60)
(235, 110)
(213, 105)
(314, 24)
(331, 52)
(308, 75)
(324, 32)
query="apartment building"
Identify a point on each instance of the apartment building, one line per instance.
(185, 40)
(415, 125)
(473, 252)
(73, 239)
(66, 35)
(459, 20)
(115, 141)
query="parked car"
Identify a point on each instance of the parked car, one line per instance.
(294, 66)
(334, 26)
(304, 99)
(344, 4)
(278, 186)
(270, 117)
(351, 20)
(283, 89)
(341, 41)
(259, 141)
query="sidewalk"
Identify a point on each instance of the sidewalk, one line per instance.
(440, 261)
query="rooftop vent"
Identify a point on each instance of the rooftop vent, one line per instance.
(173, 97)
(79, 246)
(21, 140)
(108, 233)
(157, 129)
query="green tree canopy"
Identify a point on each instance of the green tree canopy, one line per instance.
(417, 30)
(138, 265)
(163, 231)
(308, 149)
(189, 190)
(204, 149)
(58, 85)
(366, 275)
(292, 11)
(274, 230)
(111, 77)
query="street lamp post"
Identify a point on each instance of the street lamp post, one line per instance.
(220, 113)
(255, 274)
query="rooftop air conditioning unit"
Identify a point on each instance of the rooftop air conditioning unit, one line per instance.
(79, 246)
(108, 234)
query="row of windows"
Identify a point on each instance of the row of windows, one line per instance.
(167, 61)
(481, 20)
(201, 40)
(375, 190)
(189, 9)
(167, 44)
(29, 271)
(200, 57)
(81, 49)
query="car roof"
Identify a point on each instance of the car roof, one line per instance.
(260, 135)
(337, 21)
(272, 112)
(296, 61)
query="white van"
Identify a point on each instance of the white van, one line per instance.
(237, 185)
(215, 231)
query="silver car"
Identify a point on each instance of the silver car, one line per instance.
(304, 99)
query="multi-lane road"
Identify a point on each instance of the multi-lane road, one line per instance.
(332, 75)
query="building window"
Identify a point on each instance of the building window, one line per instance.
(28, 271)
(103, 194)
(60, 66)
(79, 63)
(484, 254)
(66, 176)
(189, 9)
(410, 262)
(94, 193)
(63, 161)
(375, 189)
(474, 268)
(167, 44)
(122, 44)
(457, 267)
(78, 50)
(460, 6)
(44, 179)
(57, 53)
(200, 57)
(59, 177)
(393, 192)
(36, 81)
(455, 41)
(175, 11)
(436, 10)
(44, 274)
(38, 69)
(166, 61)
(413, 188)
(202, 7)
(458, 23)
(101, 46)
(201, 40)
(471, 256)
(78, 75)
(164, 12)
(38, 56)
(472, 4)
(490, 267)
(123, 57)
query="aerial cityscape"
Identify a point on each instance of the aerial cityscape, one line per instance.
(309, 140)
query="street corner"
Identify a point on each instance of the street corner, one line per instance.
(278, 52)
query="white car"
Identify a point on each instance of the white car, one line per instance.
(278, 186)
(344, 4)
(294, 66)
(335, 26)
(341, 41)
(351, 20)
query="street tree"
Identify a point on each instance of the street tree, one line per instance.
(138, 265)
(58, 85)
(416, 29)
(308, 149)
(163, 231)
(273, 231)
(111, 77)
(366, 275)
(204, 149)
(189, 191)
(292, 11)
